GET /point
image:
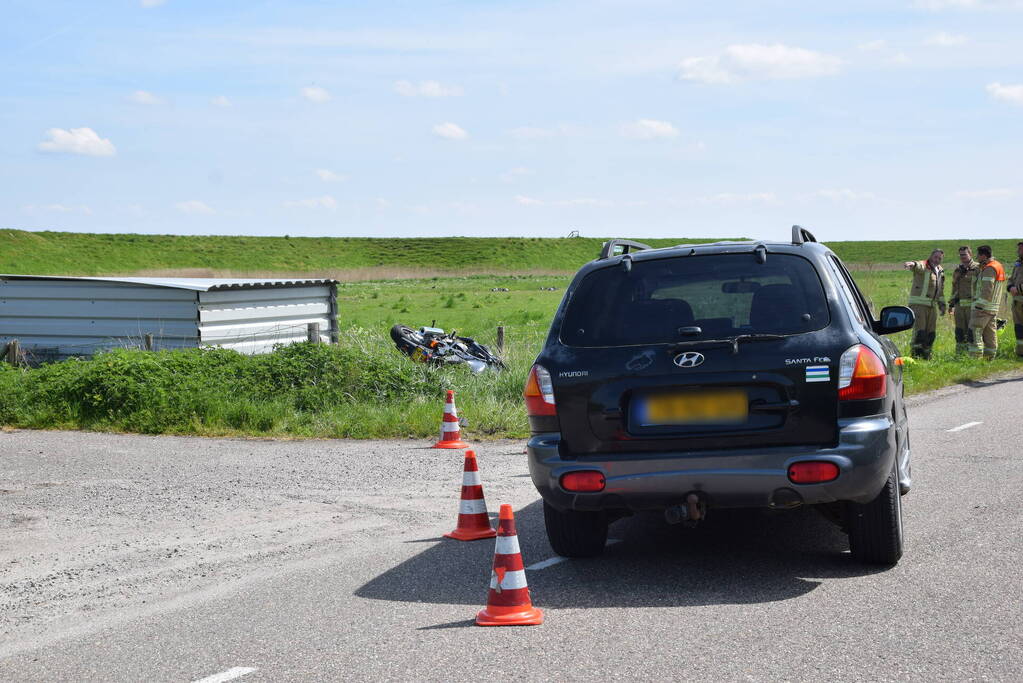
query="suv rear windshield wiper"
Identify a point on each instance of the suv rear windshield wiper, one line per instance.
(731, 341)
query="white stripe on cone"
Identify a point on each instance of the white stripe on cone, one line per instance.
(472, 507)
(512, 580)
(507, 545)
(471, 479)
(449, 409)
(449, 426)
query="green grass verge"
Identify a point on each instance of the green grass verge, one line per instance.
(364, 388)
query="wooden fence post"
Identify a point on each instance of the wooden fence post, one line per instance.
(13, 352)
(313, 333)
(149, 341)
(500, 339)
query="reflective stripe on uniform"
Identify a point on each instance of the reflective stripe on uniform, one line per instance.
(472, 507)
(511, 580)
(922, 301)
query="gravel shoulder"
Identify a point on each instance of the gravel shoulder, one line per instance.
(102, 527)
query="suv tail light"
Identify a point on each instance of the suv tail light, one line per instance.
(585, 481)
(812, 472)
(539, 392)
(861, 375)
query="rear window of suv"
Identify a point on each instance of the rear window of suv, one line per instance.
(722, 294)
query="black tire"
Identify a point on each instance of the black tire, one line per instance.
(875, 528)
(402, 333)
(575, 534)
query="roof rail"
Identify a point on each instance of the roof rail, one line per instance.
(608, 250)
(800, 235)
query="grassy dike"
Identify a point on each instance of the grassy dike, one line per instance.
(363, 388)
(67, 253)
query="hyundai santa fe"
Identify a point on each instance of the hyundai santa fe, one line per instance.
(725, 375)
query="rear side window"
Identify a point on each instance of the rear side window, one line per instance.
(721, 294)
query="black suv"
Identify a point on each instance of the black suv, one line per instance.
(724, 375)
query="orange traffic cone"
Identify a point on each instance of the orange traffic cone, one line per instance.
(473, 521)
(508, 602)
(450, 432)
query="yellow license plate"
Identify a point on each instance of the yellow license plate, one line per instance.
(709, 407)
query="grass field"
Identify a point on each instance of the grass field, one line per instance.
(363, 388)
(63, 253)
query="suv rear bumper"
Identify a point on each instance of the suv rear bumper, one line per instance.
(865, 454)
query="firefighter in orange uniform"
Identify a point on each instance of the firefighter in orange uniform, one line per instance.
(987, 299)
(926, 298)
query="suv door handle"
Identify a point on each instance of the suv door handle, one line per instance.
(761, 406)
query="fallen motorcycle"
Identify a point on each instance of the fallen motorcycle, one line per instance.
(432, 345)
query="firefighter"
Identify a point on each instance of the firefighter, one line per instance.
(1016, 290)
(960, 305)
(926, 298)
(988, 291)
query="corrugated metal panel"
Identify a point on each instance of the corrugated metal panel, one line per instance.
(60, 316)
(69, 317)
(255, 320)
(243, 296)
(191, 283)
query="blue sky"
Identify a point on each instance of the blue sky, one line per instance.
(867, 120)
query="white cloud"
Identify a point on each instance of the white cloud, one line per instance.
(324, 202)
(220, 101)
(943, 39)
(994, 193)
(450, 131)
(83, 141)
(151, 3)
(649, 129)
(1006, 93)
(329, 176)
(195, 207)
(144, 97)
(844, 194)
(315, 93)
(57, 208)
(872, 46)
(752, 62)
(426, 89)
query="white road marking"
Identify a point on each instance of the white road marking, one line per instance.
(230, 674)
(558, 559)
(549, 562)
(965, 426)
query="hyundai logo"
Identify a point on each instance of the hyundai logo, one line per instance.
(689, 359)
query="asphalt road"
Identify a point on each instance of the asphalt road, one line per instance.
(175, 559)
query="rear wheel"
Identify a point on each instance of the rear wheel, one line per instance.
(875, 528)
(575, 534)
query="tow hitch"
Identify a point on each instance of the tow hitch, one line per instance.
(692, 512)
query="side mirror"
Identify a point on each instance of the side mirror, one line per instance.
(894, 319)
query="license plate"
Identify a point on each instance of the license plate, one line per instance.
(708, 407)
